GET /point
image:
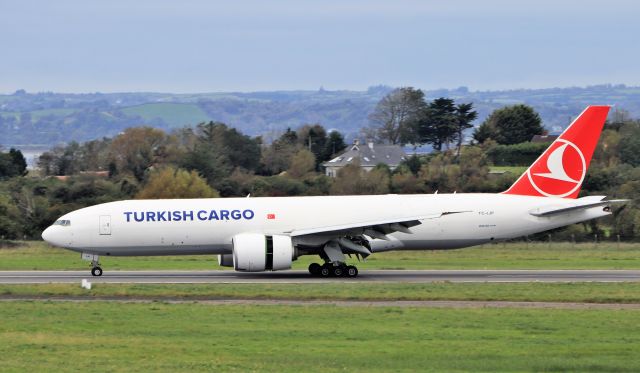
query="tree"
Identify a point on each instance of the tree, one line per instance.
(173, 182)
(74, 157)
(215, 150)
(276, 186)
(12, 164)
(412, 164)
(277, 157)
(438, 126)
(334, 144)
(352, 179)
(510, 125)
(10, 219)
(439, 173)
(314, 139)
(208, 162)
(484, 133)
(630, 145)
(394, 117)
(404, 181)
(473, 169)
(464, 116)
(203, 152)
(302, 163)
(138, 148)
(238, 149)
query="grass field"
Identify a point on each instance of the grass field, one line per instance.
(515, 170)
(37, 255)
(174, 114)
(127, 337)
(520, 292)
(101, 335)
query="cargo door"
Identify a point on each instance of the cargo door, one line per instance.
(105, 225)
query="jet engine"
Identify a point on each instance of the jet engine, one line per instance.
(254, 252)
(225, 260)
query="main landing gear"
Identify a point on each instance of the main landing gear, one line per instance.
(333, 270)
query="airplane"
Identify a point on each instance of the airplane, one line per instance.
(268, 233)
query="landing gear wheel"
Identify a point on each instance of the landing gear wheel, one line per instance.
(351, 271)
(337, 271)
(314, 269)
(325, 270)
(96, 271)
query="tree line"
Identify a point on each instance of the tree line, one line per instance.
(404, 117)
(213, 159)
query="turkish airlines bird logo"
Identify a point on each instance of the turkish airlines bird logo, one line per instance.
(560, 171)
(554, 164)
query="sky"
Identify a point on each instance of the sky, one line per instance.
(191, 46)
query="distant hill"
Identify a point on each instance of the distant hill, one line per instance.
(45, 119)
(169, 113)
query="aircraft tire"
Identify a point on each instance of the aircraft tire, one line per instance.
(96, 271)
(325, 270)
(337, 271)
(314, 269)
(351, 271)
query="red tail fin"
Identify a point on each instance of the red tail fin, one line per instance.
(560, 170)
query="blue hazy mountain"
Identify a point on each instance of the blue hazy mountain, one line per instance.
(45, 119)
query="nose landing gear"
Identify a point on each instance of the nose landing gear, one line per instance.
(96, 271)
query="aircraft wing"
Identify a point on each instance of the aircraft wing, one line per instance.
(579, 204)
(373, 228)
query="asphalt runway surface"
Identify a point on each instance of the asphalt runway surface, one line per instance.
(300, 277)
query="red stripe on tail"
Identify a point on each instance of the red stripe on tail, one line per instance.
(560, 170)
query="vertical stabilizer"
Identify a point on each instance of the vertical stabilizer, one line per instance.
(560, 170)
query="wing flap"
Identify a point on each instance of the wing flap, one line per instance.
(378, 228)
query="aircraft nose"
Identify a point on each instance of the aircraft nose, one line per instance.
(47, 234)
(56, 236)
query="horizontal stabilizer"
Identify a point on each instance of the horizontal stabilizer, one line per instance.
(580, 204)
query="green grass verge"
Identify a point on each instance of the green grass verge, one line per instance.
(531, 292)
(117, 337)
(37, 255)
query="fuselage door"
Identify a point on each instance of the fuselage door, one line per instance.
(105, 225)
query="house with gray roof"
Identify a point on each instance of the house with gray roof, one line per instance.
(367, 156)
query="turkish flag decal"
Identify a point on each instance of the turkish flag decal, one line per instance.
(271, 216)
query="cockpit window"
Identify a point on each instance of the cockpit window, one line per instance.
(64, 223)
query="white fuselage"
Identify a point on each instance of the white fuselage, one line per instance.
(206, 226)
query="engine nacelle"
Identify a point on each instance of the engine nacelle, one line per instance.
(254, 252)
(225, 260)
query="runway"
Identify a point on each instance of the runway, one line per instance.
(300, 277)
